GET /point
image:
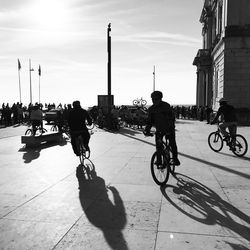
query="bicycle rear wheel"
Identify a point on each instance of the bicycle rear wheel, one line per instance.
(29, 132)
(239, 146)
(54, 128)
(160, 173)
(215, 141)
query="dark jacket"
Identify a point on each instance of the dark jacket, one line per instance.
(77, 119)
(228, 113)
(162, 117)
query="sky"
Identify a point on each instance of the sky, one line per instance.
(68, 39)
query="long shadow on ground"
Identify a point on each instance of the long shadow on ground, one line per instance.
(109, 217)
(202, 204)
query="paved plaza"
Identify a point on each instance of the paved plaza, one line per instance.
(206, 206)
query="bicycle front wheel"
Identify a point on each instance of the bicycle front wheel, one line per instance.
(239, 146)
(160, 172)
(215, 141)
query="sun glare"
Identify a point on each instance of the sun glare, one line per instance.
(49, 15)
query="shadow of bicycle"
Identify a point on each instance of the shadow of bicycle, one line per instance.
(202, 204)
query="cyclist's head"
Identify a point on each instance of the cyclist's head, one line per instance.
(222, 101)
(36, 107)
(76, 104)
(156, 96)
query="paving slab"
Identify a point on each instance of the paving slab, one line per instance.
(48, 202)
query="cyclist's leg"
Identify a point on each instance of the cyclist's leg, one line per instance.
(232, 129)
(74, 145)
(34, 123)
(173, 145)
(86, 137)
(223, 126)
(41, 124)
(158, 139)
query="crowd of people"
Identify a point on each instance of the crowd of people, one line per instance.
(131, 116)
(193, 112)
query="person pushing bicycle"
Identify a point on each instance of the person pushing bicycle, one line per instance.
(229, 119)
(77, 124)
(161, 116)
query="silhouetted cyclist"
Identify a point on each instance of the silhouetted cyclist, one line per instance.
(161, 116)
(229, 119)
(77, 124)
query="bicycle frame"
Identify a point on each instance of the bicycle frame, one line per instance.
(161, 161)
(164, 147)
(83, 154)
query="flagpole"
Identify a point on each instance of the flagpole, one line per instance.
(39, 89)
(39, 74)
(30, 69)
(19, 80)
(154, 79)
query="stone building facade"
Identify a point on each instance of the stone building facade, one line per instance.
(223, 63)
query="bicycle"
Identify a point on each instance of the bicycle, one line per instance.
(237, 145)
(160, 170)
(83, 153)
(139, 102)
(37, 131)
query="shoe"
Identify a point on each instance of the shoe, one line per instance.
(176, 162)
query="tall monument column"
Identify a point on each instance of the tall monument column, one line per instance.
(109, 68)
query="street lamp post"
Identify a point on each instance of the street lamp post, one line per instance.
(30, 69)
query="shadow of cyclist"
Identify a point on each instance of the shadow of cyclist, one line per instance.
(202, 204)
(108, 216)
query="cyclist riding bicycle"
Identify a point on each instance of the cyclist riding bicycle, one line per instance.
(161, 116)
(229, 119)
(36, 117)
(77, 124)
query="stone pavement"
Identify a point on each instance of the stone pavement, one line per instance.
(207, 205)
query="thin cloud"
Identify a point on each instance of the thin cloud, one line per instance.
(160, 37)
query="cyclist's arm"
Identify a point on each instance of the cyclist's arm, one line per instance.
(89, 119)
(149, 123)
(218, 114)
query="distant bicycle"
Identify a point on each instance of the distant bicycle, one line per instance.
(37, 131)
(237, 145)
(162, 163)
(139, 102)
